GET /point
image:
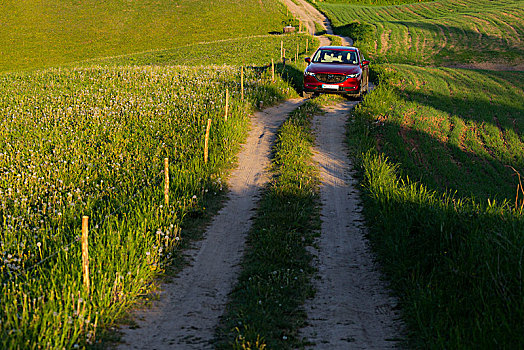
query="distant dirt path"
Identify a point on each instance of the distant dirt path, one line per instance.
(351, 308)
(311, 16)
(307, 14)
(189, 309)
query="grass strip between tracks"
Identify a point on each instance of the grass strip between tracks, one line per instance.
(265, 308)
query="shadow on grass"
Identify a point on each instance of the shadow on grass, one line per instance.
(455, 259)
(455, 264)
(457, 268)
(292, 75)
(443, 167)
(458, 142)
(506, 114)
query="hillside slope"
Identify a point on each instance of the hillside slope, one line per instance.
(439, 32)
(37, 34)
(440, 149)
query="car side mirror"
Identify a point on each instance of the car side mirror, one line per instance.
(365, 63)
(308, 60)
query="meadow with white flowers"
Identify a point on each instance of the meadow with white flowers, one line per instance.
(92, 141)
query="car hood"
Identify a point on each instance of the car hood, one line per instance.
(333, 68)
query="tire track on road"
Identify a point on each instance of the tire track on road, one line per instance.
(351, 308)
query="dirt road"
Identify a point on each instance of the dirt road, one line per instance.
(351, 308)
(188, 310)
(313, 19)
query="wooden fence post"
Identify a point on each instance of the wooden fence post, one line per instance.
(272, 70)
(166, 182)
(242, 82)
(227, 104)
(281, 49)
(85, 252)
(206, 141)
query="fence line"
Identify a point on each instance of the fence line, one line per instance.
(76, 239)
(164, 174)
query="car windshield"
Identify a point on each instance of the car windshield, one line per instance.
(335, 56)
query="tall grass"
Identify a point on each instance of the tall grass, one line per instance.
(453, 251)
(91, 142)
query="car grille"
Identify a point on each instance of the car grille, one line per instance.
(330, 78)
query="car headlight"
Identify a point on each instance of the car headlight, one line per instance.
(353, 75)
(309, 73)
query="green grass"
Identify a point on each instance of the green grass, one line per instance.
(52, 33)
(253, 51)
(368, 2)
(453, 129)
(335, 40)
(266, 304)
(442, 32)
(88, 137)
(91, 142)
(434, 146)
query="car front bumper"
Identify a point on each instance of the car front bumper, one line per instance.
(349, 86)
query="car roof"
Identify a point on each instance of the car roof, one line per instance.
(338, 47)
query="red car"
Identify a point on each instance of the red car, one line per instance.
(336, 70)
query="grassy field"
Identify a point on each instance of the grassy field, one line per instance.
(435, 150)
(435, 146)
(443, 32)
(462, 128)
(441, 154)
(92, 142)
(253, 51)
(38, 34)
